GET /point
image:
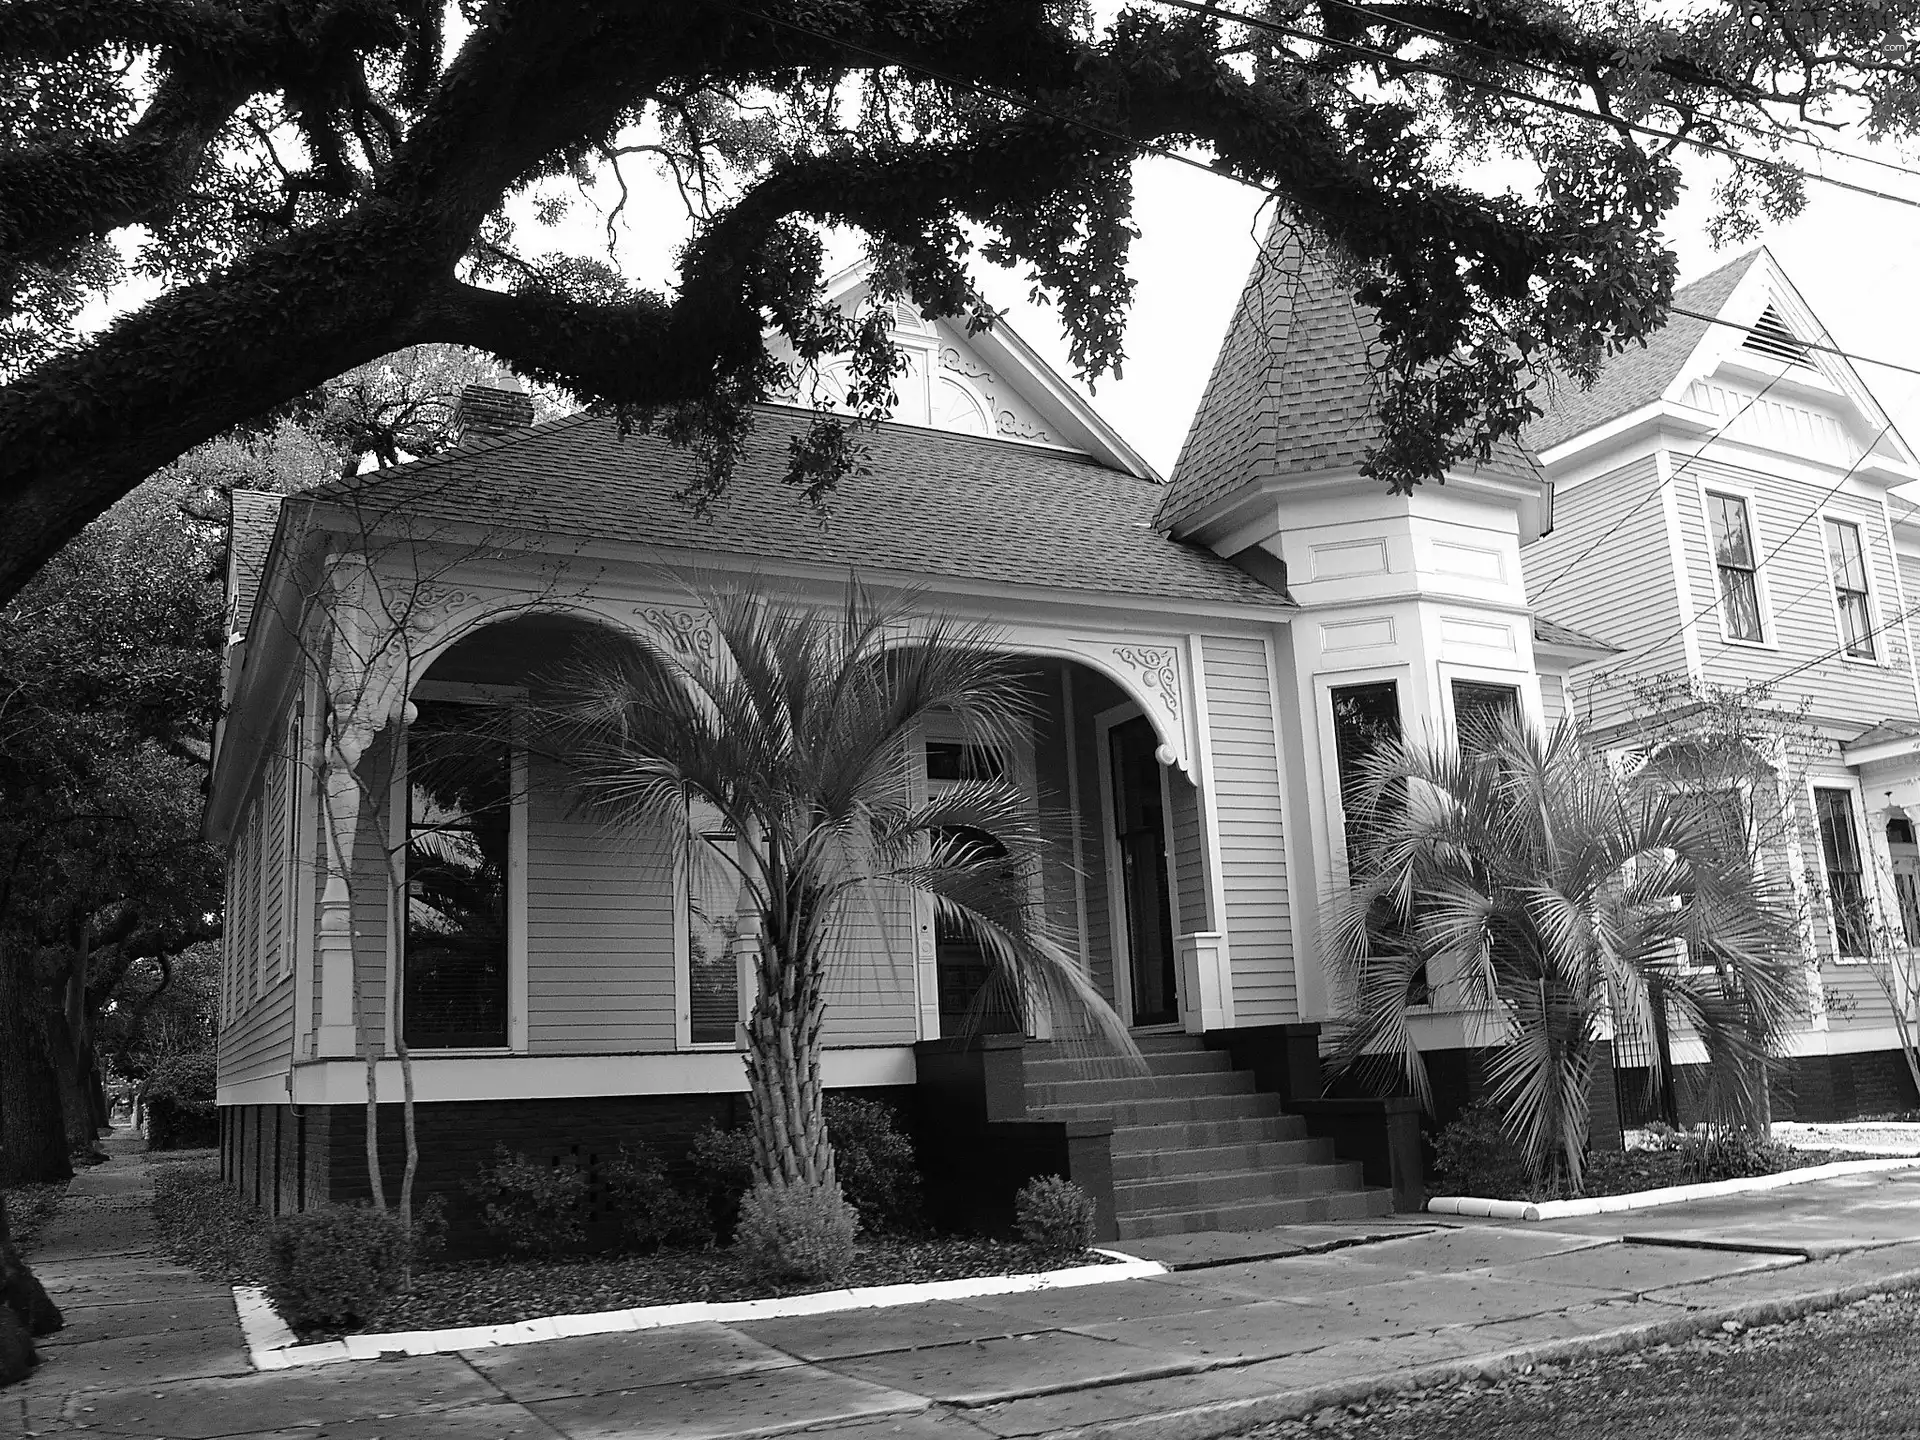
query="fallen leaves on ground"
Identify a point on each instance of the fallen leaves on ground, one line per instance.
(204, 1225)
(29, 1207)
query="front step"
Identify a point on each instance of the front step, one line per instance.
(1196, 1147)
(1260, 1214)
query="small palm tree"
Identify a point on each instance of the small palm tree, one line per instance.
(1526, 887)
(796, 726)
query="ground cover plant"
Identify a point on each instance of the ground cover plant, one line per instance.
(29, 1207)
(224, 1237)
(1847, 1374)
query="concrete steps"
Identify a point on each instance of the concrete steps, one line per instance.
(1196, 1147)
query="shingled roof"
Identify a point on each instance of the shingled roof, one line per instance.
(255, 513)
(1292, 390)
(1640, 375)
(934, 503)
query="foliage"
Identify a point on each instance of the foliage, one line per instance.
(792, 726)
(429, 1239)
(204, 1224)
(180, 1103)
(653, 1210)
(1724, 1152)
(108, 685)
(334, 1267)
(1055, 1215)
(875, 1164)
(1531, 891)
(309, 196)
(530, 1205)
(1474, 1155)
(795, 1232)
(721, 1162)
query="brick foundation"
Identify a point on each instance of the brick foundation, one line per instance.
(286, 1158)
(1809, 1088)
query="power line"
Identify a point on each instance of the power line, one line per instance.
(1802, 344)
(1790, 137)
(1660, 485)
(1542, 101)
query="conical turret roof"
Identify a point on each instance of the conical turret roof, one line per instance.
(1293, 390)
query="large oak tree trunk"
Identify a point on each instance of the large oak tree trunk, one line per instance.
(30, 1113)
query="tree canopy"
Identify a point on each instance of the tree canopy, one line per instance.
(311, 184)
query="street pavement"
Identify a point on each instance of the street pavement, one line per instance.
(1249, 1328)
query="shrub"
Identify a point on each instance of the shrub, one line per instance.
(429, 1229)
(1475, 1156)
(1720, 1152)
(179, 1099)
(531, 1206)
(653, 1211)
(722, 1166)
(1054, 1215)
(874, 1163)
(800, 1233)
(333, 1268)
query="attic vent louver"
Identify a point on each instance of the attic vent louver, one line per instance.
(1771, 337)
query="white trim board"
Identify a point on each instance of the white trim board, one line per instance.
(269, 1347)
(1651, 1199)
(558, 1077)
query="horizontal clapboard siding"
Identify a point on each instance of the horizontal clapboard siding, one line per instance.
(1801, 622)
(1253, 866)
(1609, 540)
(601, 933)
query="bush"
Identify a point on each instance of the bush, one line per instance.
(801, 1233)
(1475, 1156)
(1054, 1215)
(335, 1267)
(722, 1166)
(429, 1229)
(179, 1098)
(653, 1211)
(874, 1163)
(1720, 1152)
(530, 1206)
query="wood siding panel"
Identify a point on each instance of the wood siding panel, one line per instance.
(1253, 865)
(1801, 622)
(601, 938)
(1189, 855)
(1609, 541)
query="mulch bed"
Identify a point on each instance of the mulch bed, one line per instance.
(1846, 1374)
(221, 1237)
(204, 1225)
(1627, 1172)
(29, 1207)
(498, 1292)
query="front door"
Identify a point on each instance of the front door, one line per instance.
(1140, 836)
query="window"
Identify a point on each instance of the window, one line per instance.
(1850, 588)
(1479, 710)
(1840, 850)
(459, 830)
(713, 925)
(1734, 563)
(1365, 717)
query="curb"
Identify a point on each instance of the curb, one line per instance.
(1230, 1417)
(271, 1345)
(1648, 1199)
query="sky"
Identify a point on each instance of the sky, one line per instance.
(1854, 257)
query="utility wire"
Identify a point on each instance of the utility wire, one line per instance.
(1660, 484)
(1541, 101)
(1787, 136)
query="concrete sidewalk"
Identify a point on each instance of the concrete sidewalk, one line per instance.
(1230, 1342)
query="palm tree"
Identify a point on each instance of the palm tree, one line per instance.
(1521, 882)
(796, 725)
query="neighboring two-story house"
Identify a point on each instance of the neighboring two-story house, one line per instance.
(1724, 517)
(1207, 655)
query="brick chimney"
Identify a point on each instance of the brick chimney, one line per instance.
(491, 410)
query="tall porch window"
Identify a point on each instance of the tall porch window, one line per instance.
(1846, 877)
(1365, 717)
(713, 926)
(459, 831)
